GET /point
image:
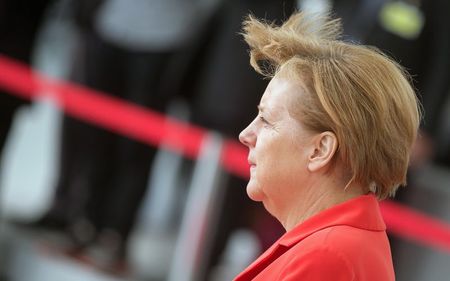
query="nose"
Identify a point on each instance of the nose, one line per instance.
(248, 136)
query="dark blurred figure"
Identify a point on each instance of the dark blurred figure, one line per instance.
(19, 23)
(128, 50)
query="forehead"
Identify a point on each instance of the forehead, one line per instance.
(281, 93)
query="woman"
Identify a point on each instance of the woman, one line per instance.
(332, 137)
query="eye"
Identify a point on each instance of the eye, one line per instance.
(264, 120)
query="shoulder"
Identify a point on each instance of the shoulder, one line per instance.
(347, 240)
(340, 253)
(321, 262)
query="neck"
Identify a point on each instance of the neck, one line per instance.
(319, 196)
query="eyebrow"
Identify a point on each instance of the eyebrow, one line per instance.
(260, 108)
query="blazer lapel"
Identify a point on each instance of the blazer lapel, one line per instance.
(262, 262)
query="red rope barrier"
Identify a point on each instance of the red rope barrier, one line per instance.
(105, 111)
(154, 128)
(413, 225)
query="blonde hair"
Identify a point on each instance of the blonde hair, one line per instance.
(355, 91)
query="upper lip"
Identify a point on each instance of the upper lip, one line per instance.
(250, 162)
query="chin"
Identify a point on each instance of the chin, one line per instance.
(254, 192)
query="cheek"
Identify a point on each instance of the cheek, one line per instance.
(271, 165)
(282, 163)
(268, 153)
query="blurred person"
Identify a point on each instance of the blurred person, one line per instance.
(128, 51)
(333, 136)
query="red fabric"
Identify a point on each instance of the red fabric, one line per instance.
(345, 242)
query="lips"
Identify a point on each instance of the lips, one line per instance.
(252, 164)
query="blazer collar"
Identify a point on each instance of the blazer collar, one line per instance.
(361, 212)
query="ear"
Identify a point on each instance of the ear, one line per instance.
(325, 147)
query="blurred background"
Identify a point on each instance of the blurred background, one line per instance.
(83, 202)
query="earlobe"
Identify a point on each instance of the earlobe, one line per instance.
(325, 147)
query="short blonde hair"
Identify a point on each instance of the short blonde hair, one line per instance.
(355, 91)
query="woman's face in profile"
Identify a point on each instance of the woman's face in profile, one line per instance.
(279, 147)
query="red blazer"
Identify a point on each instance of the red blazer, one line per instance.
(345, 242)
